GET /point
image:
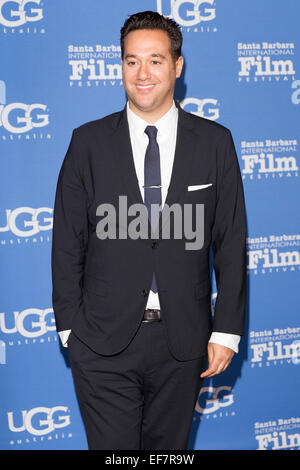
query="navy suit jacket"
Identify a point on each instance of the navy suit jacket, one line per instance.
(101, 286)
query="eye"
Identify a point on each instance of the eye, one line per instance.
(155, 62)
(132, 62)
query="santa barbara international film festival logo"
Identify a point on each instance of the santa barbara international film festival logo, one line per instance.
(21, 17)
(25, 225)
(22, 121)
(39, 424)
(192, 15)
(275, 347)
(278, 434)
(273, 253)
(94, 65)
(265, 62)
(269, 159)
(26, 327)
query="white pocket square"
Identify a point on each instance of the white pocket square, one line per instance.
(198, 186)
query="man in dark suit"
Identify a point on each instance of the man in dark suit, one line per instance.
(135, 311)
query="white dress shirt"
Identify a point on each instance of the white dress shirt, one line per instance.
(166, 139)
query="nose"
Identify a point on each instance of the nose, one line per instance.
(143, 72)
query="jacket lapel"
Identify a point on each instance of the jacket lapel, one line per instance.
(183, 158)
(122, 150)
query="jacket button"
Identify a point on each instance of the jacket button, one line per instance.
(154, 245)
(144, 292)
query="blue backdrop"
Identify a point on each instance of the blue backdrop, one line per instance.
(60, 67)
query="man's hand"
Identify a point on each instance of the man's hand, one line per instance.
(219, 358)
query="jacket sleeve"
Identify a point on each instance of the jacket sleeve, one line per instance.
(229, 242)
(70, 237)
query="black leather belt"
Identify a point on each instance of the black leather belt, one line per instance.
(152, 315)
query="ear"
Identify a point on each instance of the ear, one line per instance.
(179, 65)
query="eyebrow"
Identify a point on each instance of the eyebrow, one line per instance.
(134, 56)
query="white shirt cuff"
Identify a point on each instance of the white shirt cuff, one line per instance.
(64, 335)
(226, 339)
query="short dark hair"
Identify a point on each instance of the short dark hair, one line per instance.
(153, 20)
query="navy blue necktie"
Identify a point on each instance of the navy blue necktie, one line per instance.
(152, 182)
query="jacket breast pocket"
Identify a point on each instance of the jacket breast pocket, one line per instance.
(95, 286)
(202, 289)
(200, 196)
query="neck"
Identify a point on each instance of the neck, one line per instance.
(151, 116)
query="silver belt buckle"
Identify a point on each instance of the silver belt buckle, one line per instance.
(154, 310)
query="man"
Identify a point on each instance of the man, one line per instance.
(138, 309)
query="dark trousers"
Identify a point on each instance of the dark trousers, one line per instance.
(140, 398)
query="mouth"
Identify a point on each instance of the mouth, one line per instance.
(145, 87)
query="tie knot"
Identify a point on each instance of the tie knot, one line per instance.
(151, 132)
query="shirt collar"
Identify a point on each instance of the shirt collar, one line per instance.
(164, 124)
